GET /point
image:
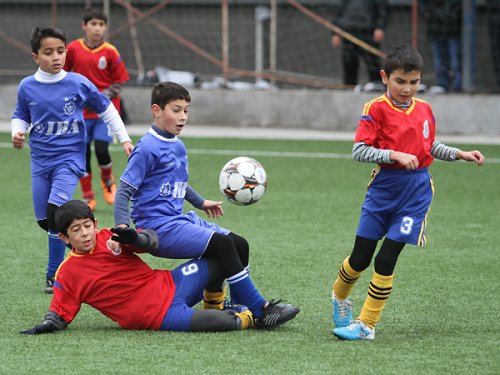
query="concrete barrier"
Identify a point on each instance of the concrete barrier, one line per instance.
(460, 114)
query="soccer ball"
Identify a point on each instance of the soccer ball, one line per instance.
(243, 181)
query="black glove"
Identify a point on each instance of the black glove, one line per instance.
(45, 327)
(146, 239)
(51, 323)
(124, 235)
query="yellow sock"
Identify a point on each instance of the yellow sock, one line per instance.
(378, 292)
(213, 300)
(246, 318)
(346, 278)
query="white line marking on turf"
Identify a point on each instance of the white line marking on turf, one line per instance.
(278, 154)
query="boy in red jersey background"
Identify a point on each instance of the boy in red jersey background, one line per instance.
(104, 272)
(396, 131)
(100, 62)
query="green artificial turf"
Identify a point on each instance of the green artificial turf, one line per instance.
(442, 317)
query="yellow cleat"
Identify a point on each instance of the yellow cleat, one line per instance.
(109, 190)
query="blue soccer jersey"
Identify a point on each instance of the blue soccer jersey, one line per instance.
(158, 170)
(53, 105)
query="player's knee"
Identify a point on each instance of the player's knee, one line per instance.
(242, 247)
(43, 224)
(359, 263)
(219, 246)
(384, 264)
(102, 153)
(362, 253)
(51, 218)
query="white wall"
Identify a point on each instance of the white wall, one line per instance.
(302, 109)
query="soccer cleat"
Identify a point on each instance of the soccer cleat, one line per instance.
(49, 285)
(342, 312)
(357, 330)
(109, 190)
(91, 202)
(276, 313)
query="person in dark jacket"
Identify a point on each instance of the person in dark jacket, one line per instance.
(444, 30)
(366, 20)
(493, 16)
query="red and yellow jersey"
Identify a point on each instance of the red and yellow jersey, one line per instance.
(102, 66)
(117, 283)
(385, 126)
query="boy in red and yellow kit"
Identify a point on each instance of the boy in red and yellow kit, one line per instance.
(396, 131)
(104, 272)
(100, 62)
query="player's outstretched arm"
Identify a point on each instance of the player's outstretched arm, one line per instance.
(212, 208)
(146, 239)
(474, 156)
(51, 323)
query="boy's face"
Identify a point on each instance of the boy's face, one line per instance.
(82, 235)
(173, 117)
(94, 30)
(51, 55)
(402, 85)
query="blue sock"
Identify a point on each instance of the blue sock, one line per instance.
(57, 249)
(245, 293)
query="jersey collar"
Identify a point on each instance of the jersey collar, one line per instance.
(161, 134)
(44, 77)
(405, 108)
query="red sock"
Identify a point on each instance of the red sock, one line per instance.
(106, 172)
(86, 184)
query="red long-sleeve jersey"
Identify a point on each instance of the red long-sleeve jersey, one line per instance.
(117, 283)
(102, 66)
(385, 126)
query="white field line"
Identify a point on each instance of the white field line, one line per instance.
(277, 154)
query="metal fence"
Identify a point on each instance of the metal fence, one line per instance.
(284, 42)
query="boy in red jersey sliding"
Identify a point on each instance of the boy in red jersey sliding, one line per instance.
(104, 272)
(396, 131)
(100, 62)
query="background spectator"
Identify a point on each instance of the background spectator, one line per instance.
(493, 15)
(366, 20)
(444, 30)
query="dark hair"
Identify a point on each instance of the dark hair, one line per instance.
(38, 34)
(165, 92)
(70, 211)
(91, 13)
(403, 57)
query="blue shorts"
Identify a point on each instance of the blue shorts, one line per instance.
(98, 130)
(56, 187)
(182, 237)
(396, 206)
(190, 280)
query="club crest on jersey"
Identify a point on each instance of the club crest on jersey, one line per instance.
(102, 63)
(38, 128)
(69, 106)
(426, 129)
(165, 189)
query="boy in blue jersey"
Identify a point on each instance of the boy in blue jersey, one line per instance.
(50, 103)
(156, 180)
